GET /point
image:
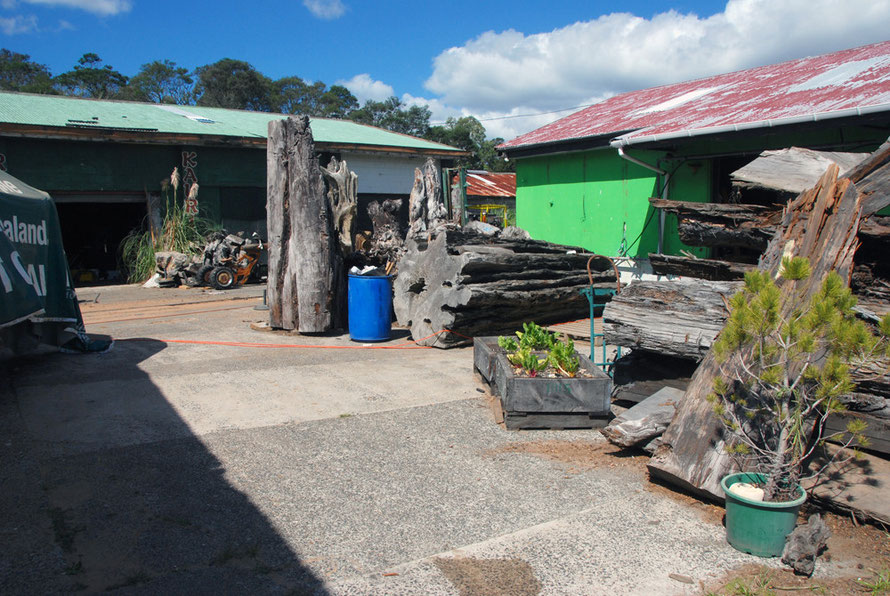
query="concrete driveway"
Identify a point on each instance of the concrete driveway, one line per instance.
(202, 456)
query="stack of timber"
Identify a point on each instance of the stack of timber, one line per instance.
(833, 223)
(454, 284)
(824, 225)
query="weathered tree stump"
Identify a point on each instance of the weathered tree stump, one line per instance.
(426, 206)
(303, 260)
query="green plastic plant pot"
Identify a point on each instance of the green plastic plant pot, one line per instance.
(755, 527)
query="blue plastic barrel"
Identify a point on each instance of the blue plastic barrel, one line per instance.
(370, 307)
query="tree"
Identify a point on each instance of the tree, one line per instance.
(392, 115)
(161, 82)
(233, 84)
(19, 73)
(469, 134)
(337, 102)
(91, 79)
(785, 365)
(292, 95)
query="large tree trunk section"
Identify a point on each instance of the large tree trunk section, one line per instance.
(454, 285)
(719, 224)
(710, 269)
(677, 318)
(303, 261)
(821, 225)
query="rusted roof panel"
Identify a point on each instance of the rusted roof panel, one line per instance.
(490, 184)
(847, 83)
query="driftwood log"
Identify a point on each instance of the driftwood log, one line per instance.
(645, 421)
(804, 544)
(304, 265)
(820, 224)
(454, 285)
(426, 204)
(710, 269)
(342, 200)
(677, 318)
(722, 224)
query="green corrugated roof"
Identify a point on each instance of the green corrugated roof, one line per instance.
(70, 112)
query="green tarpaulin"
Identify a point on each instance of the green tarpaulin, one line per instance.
(34, 281)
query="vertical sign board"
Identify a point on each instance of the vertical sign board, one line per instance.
(33, 264)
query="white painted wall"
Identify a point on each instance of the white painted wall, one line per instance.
(384, 174)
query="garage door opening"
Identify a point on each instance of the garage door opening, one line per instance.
(92, 233)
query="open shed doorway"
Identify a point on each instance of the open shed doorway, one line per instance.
(93, 226)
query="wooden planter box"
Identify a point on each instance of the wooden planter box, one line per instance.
(581, 402)
(484, 351)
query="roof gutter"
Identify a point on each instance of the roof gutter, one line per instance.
(628, 139)
(665, 191)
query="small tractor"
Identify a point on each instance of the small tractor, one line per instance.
(229, 260)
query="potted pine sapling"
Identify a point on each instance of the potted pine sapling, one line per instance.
(785, 363)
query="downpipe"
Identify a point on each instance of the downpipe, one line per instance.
(665, 192)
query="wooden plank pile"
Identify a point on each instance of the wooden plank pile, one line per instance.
(826, 223)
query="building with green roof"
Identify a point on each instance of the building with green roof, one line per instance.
(103, 162)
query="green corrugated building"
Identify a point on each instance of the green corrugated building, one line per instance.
(586, 179)
(103, 163)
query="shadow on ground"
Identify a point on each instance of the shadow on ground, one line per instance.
(148, 517)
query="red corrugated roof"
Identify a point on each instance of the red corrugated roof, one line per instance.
(847, 83)
(490, 184)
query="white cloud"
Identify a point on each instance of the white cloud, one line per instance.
(325, 9)
(99, 7)
(365, 88)
(511, 73)
(18, 25)
(8, 4)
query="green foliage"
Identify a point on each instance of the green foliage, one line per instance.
(528, 361)
(786, 361)
(559, 354)
(19, 73)
(879, 584)
(469, 134)
(393, 115)
(161, 81)
(233, 84)
(180, 232)
(535, 337)
(508, 344)
(90, 78)
(292, 95)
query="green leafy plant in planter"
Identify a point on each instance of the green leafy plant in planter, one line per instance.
(537, 349)
(786, 362)
(535, 337)
(562, 357)
(527, 361)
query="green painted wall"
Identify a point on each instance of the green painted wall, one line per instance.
(64, 166)
(599, 201)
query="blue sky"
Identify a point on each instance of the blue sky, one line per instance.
(491, 59)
